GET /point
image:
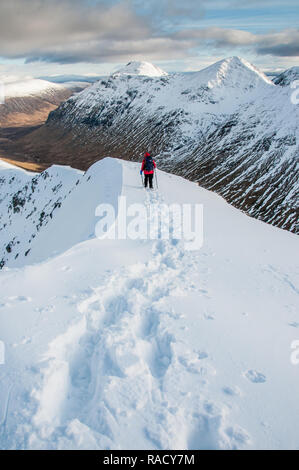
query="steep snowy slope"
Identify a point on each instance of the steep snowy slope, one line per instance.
(140, 344)
(27, 203)
(227, 127)
(11, 177)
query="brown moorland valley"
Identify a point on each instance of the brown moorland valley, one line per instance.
(12, 152)
(19, 116)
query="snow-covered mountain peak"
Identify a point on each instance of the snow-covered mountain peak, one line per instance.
(233, 72)
(141, 68)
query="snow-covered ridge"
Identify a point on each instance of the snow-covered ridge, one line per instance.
(141, 68)
(227, 82)
(103, 336)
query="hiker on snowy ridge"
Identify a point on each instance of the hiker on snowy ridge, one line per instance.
(148, 166)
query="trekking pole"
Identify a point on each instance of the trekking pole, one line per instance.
(156, 179)
(141, 180)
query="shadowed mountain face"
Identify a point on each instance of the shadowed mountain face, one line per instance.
(227, 127)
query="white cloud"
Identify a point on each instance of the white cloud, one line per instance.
(79, 31)
(284, 43)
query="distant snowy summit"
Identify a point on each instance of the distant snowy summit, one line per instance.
(30, 87)
(29, 101)
(233, 72)
(141, 68)
(287, 77)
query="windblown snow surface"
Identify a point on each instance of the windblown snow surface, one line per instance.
(141, 344)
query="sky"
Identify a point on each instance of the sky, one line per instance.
(96, 37)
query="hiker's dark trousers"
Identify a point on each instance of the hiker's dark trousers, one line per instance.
(148, 178)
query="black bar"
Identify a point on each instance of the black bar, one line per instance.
(152, 459)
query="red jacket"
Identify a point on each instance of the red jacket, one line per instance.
(145, 171)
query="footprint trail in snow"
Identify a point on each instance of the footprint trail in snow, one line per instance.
(126, 377)
(142, 344)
